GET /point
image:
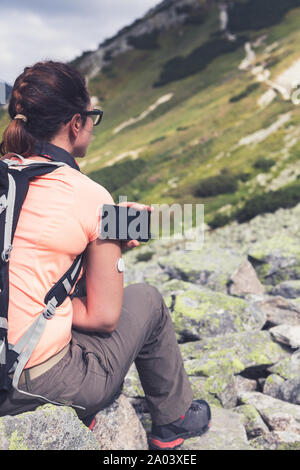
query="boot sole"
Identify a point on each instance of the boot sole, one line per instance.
(160, 444)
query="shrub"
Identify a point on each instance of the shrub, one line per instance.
(285, 197)
(264, 163)
(223, 183)
(196, 17)
(258, 14)
(158, 139)
(245, 92)
(181, 67)
(145, 41)
(184, 9)
(244, 176)
(117, 175)
(220, 220)
(146, 256)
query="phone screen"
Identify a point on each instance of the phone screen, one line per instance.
(125, 223)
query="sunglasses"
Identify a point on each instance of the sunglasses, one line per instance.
(96, 115)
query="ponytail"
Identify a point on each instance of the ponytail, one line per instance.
(16, 139)
(43, 97)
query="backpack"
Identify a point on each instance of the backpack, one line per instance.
(15, 178)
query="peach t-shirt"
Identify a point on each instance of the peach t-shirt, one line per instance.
(59, 217)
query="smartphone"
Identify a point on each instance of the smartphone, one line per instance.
(124, 223)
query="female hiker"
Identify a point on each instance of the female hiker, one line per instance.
(101, 328)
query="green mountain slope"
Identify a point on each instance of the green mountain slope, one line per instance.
(187, 120)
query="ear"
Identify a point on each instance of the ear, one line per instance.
(75, 124)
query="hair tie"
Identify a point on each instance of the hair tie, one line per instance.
(21, 116)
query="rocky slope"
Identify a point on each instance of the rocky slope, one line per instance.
(235, 305)
(168, 14)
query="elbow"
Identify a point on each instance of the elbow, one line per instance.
(103, 325)
(103, 328)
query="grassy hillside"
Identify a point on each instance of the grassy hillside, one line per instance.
(176, 113)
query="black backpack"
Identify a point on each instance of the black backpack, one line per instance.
(14, 183)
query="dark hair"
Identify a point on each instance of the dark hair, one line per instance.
(48, 94)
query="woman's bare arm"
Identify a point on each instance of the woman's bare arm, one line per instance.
(100, 309)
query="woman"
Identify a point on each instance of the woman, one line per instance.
(101, 328)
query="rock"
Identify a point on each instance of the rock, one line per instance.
(202, 390)
(223, 387)
(277, 414)
(118, 427)
(212, 266)
(132, 385)
(226, 433)
(276, 259)
(49, 427)
(289, 289)
(277, 440)
(287, 368)
(201, 313)
(252, 421)
(287, 334)
(231, 353)
(290, 390)
(220, 358)
(52, 427)
(272, 385)
(245, 281)
(279, 310)
(244, 384)
(144, 272)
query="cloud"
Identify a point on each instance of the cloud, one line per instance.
(34, 30)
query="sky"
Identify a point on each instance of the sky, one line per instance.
(33, 30)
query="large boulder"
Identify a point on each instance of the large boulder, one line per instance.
(211, 266)
(245, 281)
(232, 353)
(219, 359)
(287, 334)
(276, 259)
(279, 310)
(118, 427)
(226, 433)
(49, 427)
(199, 312)
(287, 368)
(277, 414)
(52, 427)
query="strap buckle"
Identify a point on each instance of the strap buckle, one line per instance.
(3, 203)
(50, 308)
(5, 255)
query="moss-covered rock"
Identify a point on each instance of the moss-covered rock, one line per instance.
(49, 427)
(276, 259)
(272, 385)
(231, 353)
(212, 266)
(287, 368)
(201, 313)
(277, 440)
(252, 421)
(277, 414)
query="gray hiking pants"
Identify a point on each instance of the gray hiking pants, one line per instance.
(92, 372)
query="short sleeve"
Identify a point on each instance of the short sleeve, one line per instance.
(93, 197)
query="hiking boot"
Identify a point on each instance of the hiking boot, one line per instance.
(194, 422)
